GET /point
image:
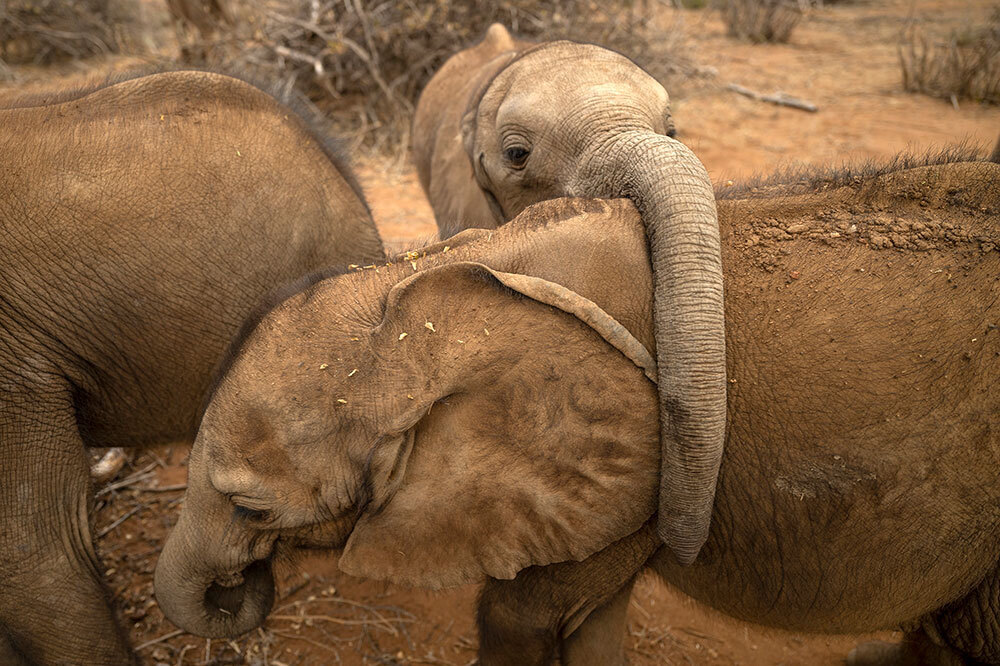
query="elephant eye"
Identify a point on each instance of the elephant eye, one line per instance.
(251, 515)
(516, 156)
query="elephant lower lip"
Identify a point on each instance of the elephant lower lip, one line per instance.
(234, 595)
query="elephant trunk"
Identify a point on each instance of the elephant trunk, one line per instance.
(207, 593)
(672, 191)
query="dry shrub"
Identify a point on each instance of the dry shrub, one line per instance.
(371, 59)
(762, 20)
(42, 31)
(198, 25)
(964, 66)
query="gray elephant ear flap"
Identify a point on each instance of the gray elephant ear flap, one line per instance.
(534, 441)
(469, 133)
(476, 162)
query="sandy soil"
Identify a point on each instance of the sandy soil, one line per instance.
(844, 60)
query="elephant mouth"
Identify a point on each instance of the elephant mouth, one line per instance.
(241, 600)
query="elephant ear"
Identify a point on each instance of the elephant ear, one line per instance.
(534, 430)
(469, 125)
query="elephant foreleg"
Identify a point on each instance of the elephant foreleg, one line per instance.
(971, 626)
(916, 649)
(534, 618)
(599, 639)
(53, 607)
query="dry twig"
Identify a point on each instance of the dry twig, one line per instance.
(141, 475)
(160, 639)
(121, 519)
(779, 98)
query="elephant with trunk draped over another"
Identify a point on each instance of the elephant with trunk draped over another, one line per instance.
(486, 409)
(140, 223)
(506, 124)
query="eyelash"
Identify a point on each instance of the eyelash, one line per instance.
(520, 158)
(252, 515)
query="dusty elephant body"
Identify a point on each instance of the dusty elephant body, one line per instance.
(506, 124)
(141, 223)
(481, 414)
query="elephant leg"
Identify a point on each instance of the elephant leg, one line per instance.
(971, 625)
(598, 640)
(528, 619)
(916, 649)
(53, 606)
(966, 631)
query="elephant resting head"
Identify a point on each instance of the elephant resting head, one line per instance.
(440, 426)
(506, 124)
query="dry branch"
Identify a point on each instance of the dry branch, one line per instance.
(779, 98)
(121, 519)
(159, 639)
(141, 475)
(162, 489)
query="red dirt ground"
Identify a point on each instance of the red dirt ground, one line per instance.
(842, 58)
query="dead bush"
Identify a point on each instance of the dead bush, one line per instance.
(42, 31)
(371, 59)
(762, 20)
(966, 65)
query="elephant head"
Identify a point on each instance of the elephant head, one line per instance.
(569, 119)
(438, 426)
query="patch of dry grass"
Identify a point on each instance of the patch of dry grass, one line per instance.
(43, 31)
(965, 65)
(762, 20)
(369, 60)
(362, 63)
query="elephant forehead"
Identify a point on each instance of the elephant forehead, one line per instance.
(571, 65)
(559, 98)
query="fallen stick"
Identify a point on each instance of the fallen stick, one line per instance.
(141, 475)
(300, 619)
(306, 640)
(107, 530)
(162, 489)
(160, 639)
(779, 98)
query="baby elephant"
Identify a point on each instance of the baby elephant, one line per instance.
(486, 411)
(505, 124)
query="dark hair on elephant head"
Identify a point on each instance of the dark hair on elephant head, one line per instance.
(314, 124)
(804, 179)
